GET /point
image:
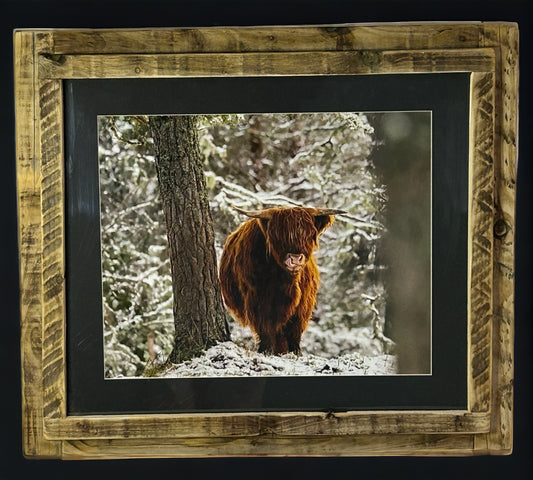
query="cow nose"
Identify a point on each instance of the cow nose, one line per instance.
(296, 259)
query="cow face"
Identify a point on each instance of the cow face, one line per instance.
(291, 234)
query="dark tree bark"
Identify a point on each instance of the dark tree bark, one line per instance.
(199, 314)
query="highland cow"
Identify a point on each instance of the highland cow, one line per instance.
(268, 273)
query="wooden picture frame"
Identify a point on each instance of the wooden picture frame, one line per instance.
(488, 52)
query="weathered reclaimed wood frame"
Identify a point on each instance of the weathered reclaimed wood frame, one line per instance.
(43, 58)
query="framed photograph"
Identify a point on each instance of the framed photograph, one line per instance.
(267, 241)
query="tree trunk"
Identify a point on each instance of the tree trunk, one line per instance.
(199, 315)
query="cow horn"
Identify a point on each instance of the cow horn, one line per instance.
(329, 211)
(253, 213)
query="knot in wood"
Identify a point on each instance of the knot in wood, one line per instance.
(501, 228)
(370, 58)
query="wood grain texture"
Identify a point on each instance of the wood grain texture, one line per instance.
(265, 64)
(30, 245)
(500, 440)
(346, 37)
(53, 253)
(257, 424)
(481, 239)
(350, 445)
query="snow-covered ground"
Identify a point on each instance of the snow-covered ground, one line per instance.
(340, 351)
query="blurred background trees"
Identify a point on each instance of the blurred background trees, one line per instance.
(403, 156)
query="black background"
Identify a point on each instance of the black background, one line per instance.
(133, 13)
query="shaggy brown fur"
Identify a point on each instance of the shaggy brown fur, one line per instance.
(268, 273)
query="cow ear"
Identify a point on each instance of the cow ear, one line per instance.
(322, 222)
(324, 217)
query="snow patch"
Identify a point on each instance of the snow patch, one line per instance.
(228, 359)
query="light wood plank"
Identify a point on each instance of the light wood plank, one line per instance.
(480, 240)
(265, 64)
(500, 440)
(30, 244)
(53, 347)
(351, 445)
(392, 36)
(256, 424)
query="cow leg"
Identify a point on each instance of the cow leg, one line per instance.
(280, 345)
(267, 338)
(293, 334)
(265, 344)
(272, 342)
(269, 328)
